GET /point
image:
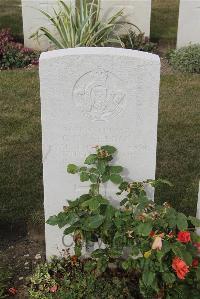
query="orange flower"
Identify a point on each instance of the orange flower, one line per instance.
(157, 244)
(74, 259)
(180, 268)
(184, 237)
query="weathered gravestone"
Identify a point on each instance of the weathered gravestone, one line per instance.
(33, 19)
(93, 96)
(137, 12)
(189, 23)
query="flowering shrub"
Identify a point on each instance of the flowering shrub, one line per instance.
(68, 278)
(153, 242)
(14, 55)
(186, 59)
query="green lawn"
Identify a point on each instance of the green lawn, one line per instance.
(20, 142)
(20, 145)
(11, 17)
(164, 21)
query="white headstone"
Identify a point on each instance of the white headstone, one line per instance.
(33, 19)
(137, 12)
(189, 23)
(93, 96)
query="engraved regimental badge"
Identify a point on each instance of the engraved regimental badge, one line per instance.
(98, 95)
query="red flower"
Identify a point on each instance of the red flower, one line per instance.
(184, 237)
(12, 291)
(180, 267)
(195, 263)
(53, 289)
(152, 234)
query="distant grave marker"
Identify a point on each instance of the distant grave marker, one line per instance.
(189, 23)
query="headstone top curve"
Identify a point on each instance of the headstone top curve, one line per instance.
(100, 51)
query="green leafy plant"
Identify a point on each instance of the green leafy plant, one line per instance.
(68, 278)
(136, 40)
(155, 242)
(186, 59)
(81, 26)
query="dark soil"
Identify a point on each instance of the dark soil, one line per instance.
(19, 254)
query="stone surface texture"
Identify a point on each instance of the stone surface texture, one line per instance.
(189, 23)
(33, 19)
(137, 12)
(93, 96)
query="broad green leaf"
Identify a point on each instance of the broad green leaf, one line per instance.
(116, 179)
(194, 221)
(92, 222)
(90, 266)
(116, 169)
(91, 159)
(92, 203)
(148, 278)
(105, 177)
(69, 230)
(101, 166)
(84, 176)
(169, 278)
(98, 253)
(102, 264)
(109, 149)
(181, 222)
(93, 178)
(187, 257)
(144, 229)
(72, 168)
(53, 220)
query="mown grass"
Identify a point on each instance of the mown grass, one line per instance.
(164, 21)
(179, 140)
(20, 143)
(11, 17)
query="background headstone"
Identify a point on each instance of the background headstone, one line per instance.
(137, 12)
(93, 96)
(189, 23)
(33, 19)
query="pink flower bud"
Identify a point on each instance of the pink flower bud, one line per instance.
(157, 244)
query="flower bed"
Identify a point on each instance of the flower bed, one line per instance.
(15, 55)
(154, 245)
